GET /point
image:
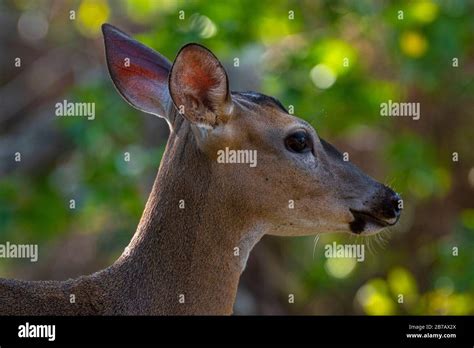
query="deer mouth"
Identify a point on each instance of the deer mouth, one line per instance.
(367, 222)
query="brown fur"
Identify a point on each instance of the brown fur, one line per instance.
(174, 251)
(191, 251)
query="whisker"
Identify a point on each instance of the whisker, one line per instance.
(380, 241)
(369, 244)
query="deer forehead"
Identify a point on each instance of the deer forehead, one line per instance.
(256, 120)
(260, 128)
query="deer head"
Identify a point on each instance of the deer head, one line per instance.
(183, 261)
(300, 184)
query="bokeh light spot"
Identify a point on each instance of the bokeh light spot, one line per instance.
(424, 11)
(272, 29)
(322, 76)
(203, 26)
(333, 53)
(340, 267)
(92, 14)
(401, 281)
(32, 26)
(374, 298)
(413, 44)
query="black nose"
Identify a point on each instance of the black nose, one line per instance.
(397, 205)
(392, 206)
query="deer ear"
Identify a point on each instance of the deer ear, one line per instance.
(199, 86)
(139, 73)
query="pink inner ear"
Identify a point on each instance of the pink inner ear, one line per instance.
(139, 64)
(144, 83)
(202, 75)
(199, 82)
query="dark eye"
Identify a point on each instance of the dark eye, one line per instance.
(299, 142)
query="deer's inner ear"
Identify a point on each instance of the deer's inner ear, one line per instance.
(199, 86)
(139, 73)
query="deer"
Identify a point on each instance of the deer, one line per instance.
(182, 259)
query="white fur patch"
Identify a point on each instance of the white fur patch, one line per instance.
(248, 241)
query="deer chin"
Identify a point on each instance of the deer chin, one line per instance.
(365, 223)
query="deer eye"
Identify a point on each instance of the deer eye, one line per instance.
(299, 142)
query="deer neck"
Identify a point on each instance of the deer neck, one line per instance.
(189, 249)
